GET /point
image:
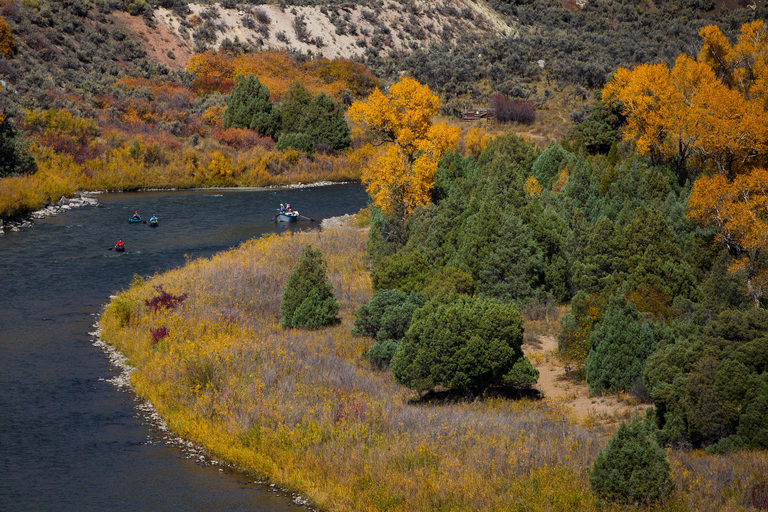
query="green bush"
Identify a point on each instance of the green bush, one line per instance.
(546, 167)
(380, 354)
(299, 141)
(325, 124)
(14, 157)
(387, 316)
(632, 468)
(404, 270)
(308, 299)
(463, 342)
(620, 344)
(449, 279)
(293, 108)
(710, 387)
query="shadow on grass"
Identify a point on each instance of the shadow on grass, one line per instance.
(454, 396)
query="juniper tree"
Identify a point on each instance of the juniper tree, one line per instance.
(308, 299)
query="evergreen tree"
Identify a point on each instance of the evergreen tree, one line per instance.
(632, 468)
(298, 141)
(545, 168)
(308, 299)
(325, 124)
(249, 106)
(463, 342)
(293, 108)
(14, 158)
(620, 344)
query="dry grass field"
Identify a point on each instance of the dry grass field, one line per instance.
(304, 409)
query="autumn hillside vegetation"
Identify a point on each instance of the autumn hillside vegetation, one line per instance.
(136, 124)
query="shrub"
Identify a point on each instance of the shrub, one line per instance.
(447, 280)
(158, 334)
(404, 270)
(512, 110)
(620, 344)
(308, 299)
(380, 354)
(298, 141)
(164, 300)
(546, 167)
(293, 108)
(463, 342)
(241, 138)
(387, 316)
(7, 44)
(324, 123)
(632, 468)
(249, 106)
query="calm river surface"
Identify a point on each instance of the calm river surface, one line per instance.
(70, 440)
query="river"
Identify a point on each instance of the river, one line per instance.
(69, 439)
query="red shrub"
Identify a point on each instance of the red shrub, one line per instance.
(164, 300)
(515, 110)
(158, 334)
(241, 138)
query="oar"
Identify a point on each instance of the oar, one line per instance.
(303, 217)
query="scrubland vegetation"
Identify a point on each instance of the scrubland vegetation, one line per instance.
(645, 225)
(305, 409)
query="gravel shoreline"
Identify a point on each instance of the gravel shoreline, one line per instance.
(64, 204)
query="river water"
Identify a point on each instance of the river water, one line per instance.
(69, 439)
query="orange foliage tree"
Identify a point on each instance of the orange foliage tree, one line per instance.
(738, 210)
(401, 178)
(712, 107)
(216, 71)
(7, 44)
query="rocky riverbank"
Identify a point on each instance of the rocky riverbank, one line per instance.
(64, 204)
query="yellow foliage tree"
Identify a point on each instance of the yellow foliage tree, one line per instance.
(7, 44)
(476, 139)
(738, 209)
(402, 177)
(532, 187)
(712, 107)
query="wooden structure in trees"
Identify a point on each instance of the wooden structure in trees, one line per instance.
(476, 113)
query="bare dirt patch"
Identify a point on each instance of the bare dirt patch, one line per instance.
(160, 43)
(555, 385)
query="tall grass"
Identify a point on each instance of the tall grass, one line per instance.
(305, 409)
(209, 165)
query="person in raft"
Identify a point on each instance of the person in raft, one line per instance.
(120, 245)
(136, 215)
(282, 208)
(288, 207)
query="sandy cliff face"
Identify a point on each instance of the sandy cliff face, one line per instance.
(329, 31)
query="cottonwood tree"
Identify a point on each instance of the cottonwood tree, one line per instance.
(738, 210)
(402, 177)
(711, 107)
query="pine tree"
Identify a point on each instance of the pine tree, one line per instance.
(620, 344)
(308, 299)
(293, 108)
(325, 124)
(249, 107)
(632, 468)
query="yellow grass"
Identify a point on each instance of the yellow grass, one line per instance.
(304, 409)
(210, 165)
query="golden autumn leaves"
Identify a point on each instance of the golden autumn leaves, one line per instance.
(711, 109)
(402, 177)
